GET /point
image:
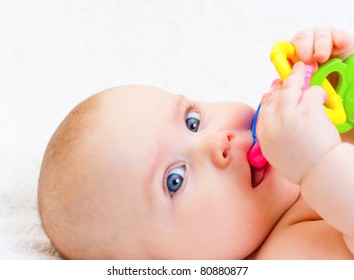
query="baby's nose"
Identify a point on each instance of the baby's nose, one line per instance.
(218, 148)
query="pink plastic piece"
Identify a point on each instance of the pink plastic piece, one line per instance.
(308, 75)
(255, 156)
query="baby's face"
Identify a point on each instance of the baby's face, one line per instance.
(178, 179)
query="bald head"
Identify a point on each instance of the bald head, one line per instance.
(62, 175)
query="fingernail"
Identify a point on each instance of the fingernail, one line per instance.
(265, 96)
(274, 84)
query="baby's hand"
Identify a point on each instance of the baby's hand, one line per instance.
(319, 44)
(293, 128)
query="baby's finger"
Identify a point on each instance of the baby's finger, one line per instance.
(296, 78)
(314, 96)
(276, 84)
(341, 39)
(293, 84)
(266, 98)
(343, 44)
(323, 45)
(303, 42)
(269, 96)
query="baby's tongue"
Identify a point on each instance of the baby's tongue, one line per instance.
(257, 176)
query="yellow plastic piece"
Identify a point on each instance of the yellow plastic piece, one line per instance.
(283, 57)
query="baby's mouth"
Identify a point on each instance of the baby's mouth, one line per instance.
(257, 175)
(257, 161)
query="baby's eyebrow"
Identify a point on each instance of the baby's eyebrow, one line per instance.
(180, 99)
(177, 108)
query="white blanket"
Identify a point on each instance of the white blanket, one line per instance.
(54, 53)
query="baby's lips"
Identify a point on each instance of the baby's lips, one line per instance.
(255, 156)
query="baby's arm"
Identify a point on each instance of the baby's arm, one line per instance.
(298, 139)
(329, 187)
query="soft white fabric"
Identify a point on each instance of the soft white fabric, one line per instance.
(54, 53)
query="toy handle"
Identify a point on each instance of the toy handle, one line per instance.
(282, 54)
(344, 93)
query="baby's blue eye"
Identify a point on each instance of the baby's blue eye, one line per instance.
(192, 121)
(175, 179)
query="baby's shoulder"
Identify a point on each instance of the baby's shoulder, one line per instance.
(303, 234)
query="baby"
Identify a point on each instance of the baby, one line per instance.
(135, 172)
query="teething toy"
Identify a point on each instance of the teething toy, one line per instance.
(283, 53)
(344, 94)
(255, 156)
(340, 102)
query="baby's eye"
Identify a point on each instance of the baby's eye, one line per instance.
(192, 121)
(175, 179)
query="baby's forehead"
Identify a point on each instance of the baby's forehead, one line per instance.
(135, 123)
(136, 112)
(138, 101)
(138, 91)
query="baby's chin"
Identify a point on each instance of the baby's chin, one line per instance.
(272, 184)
